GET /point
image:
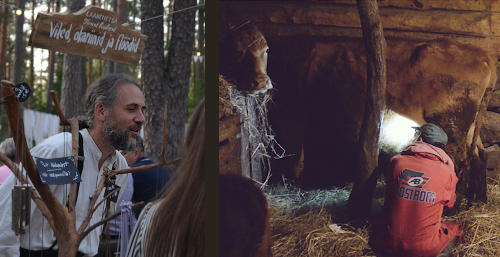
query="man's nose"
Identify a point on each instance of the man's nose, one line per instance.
(139, 118)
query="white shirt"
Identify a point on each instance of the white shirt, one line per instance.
(54, 147)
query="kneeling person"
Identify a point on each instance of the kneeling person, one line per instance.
(420, 183)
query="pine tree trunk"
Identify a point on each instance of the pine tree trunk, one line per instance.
(152, 70)
(170, 9)
(50, 82)
(111, 65)
(19, 45)
(3, 44)
(178, 73)
(73, 84)
(52, 62)
(200, 78)
(121, 10)
(32, 56)
(362, 192)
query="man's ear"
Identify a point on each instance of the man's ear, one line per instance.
(100, 112)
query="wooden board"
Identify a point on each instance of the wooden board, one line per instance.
(477, 23)
(464, 5)
(471, 23)
(91, 32)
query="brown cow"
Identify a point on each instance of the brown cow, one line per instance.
(243, 219)
(439, 81)
(243, 58)
(243, 83)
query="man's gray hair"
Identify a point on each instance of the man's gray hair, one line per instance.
(8, 148)
(103, 91)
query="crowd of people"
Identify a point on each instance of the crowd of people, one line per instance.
(174, 202)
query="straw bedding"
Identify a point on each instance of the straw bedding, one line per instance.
(300, 224)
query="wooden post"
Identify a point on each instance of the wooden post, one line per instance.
(361, 195)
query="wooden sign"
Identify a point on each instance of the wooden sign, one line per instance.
(58, 171)
(91, 32)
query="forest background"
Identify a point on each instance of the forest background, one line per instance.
(172, 67)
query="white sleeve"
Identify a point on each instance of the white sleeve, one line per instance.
(9, 242)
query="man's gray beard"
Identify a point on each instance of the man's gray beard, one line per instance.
(119, 139)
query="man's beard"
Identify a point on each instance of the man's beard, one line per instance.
(118, 138)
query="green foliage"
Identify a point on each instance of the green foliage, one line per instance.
(196, 85)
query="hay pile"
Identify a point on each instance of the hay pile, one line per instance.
(300, 224)
(481, 226)
(309, 235)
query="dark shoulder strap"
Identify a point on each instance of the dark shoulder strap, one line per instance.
(81, 158)
(80, 153)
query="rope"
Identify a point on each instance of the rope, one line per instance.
(176, 11)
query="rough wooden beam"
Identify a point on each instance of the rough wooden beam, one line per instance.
(458, 5)
(474, 23)
(285, 30)
(462, 5)
(373, 36)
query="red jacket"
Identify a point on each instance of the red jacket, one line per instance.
(420, 182)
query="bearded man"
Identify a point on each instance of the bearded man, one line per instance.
(115, 106)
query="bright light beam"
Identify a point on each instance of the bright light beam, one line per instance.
(396, 132)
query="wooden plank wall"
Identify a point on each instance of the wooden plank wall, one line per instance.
(473, 22)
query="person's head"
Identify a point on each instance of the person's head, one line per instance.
(432, 134)
(8, 147)
(179, 222)
(134, 151)
(115, 105)
(243, 218)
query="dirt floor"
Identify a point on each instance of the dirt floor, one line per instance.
(313, 223)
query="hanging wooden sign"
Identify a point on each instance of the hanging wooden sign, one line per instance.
(91, 32)
(58, 171)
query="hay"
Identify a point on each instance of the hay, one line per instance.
(481, 226)
(309, 235)
(299, 224)
(288, 199)
(258, 141)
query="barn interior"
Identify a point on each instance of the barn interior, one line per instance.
(441, 67)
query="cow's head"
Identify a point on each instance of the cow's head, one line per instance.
(243, 58)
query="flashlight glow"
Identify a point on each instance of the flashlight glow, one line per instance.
(396, 132)
(19, 12)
